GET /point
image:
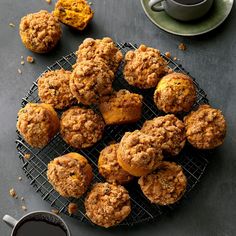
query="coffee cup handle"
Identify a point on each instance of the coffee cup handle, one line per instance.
(152, 4)
(10, 220)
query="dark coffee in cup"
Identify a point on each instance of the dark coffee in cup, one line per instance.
(188, 2)
(39, 228)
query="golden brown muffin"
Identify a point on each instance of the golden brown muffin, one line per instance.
(75, 13)
(121, 107)
(107, 204)
(109, 167)
(54, 89)
(170, 132)
(40, 31)
(205, 127)
(144, 67)
(91, 80)
(164, 186)
(70, 175)
(139, 153)
(175, 93)
(37, 123)
(103, 49)
(81, 128)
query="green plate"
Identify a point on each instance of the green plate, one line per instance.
(217, 14)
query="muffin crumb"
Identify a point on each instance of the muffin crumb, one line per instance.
(24, 208)
(27, 156)
(55, 211)
(48, 1)
(30, 59)
(182, 47)
(12, 25)
(22, 199)
(12, 193)
(19, 71)
(167, 54)
(72, 208)
(19, 178)
(22, 62)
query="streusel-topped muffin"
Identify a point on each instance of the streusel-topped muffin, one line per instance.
(166, 185)
(139, 153)
(70, 174)
(144, 67)
(205, 127)
(170, 132)
(40, 31)
(54, 89)
(103, 49)
(90, 81)
(121, 107)
(81, 128)
(107, 204)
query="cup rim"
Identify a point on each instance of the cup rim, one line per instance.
(45, 212)
(185, 5)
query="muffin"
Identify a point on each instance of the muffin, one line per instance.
(70, 175)
(175, 93)
(109, 168)
(166, 185)
(107, 205)
(205, 127)
(121, 107)
(37, 123)
(103, 49)
(81, 128)
(40, 31)
(75, 13)
(90, 81)
(54, 89)
(170, 132)
(144, 67)
(139, 153)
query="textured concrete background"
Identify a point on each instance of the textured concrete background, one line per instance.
(210, 58)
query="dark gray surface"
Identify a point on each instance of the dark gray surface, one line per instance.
(211, 208)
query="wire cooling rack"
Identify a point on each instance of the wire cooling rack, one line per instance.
(193, 161)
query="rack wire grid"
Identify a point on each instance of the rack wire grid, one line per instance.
(193, 161)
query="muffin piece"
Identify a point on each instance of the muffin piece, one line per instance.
(121, 107)
(175, 93)
(144, 67)
(107, 204)
(81, 128)
(205, 127)
(40, 31)
(75, 13)
(54, 89)
(109, 167)
(103, 49)
(139, 153)
(164, 186)
(91, 80)
(37, 123)
(170, 132)
(70, 175)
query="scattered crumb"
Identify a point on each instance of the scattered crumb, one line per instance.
(90, 3)
(24, 208)
(20, 178)
(175, 58)
(12, 192)
(182, 46)
(22, 62)
(54, 211)
(19, 71)
(12, 25)
(30, 59)
(167, 54)
(72, 208)
(48, 1)
(22, 199)
(22, 57)
(27, 156)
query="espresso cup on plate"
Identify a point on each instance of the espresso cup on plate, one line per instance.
(38, 223)
(183, 10)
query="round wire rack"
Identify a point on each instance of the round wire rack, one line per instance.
(193, 161)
